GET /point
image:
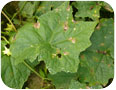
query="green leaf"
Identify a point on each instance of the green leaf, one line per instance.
(77, 85)
(87, 9)
(12, 75)
(56, 39)
(27, 8)
(96, 66)
(62, 80)
(46, 6)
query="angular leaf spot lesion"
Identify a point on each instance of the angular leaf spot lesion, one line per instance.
(56, 9)
(68, 9)
(66, 26)
(66, 53)
(37, 25)
(73, 40)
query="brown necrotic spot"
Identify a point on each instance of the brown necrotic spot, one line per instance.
(91, 7)
(68, 9)
(37, 25)
(73, 40)
(82, 56)
(66, 53)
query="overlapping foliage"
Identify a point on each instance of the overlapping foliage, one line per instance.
(65, 44)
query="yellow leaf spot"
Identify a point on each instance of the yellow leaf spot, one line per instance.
(74, 29)
(95, 11)
(53, 55)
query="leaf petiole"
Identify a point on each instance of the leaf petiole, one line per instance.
(35, 71)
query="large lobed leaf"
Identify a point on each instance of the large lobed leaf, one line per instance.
(56, 39)
(96, 66)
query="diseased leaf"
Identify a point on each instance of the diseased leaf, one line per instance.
(46, 6)
(87, 9)
(56, 39)
(96, 66)
(62, 80)
(103, 37)
(12, 75)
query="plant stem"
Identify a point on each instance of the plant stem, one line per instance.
(5, 39)
(35, 71)
(9, 21)
(5, 33)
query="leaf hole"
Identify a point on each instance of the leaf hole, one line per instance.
(59, 55)
(51, 8)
